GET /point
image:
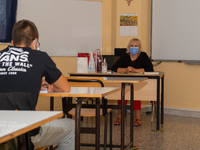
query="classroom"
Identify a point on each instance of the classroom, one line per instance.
(181, 87)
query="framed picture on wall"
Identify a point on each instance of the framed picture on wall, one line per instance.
(128, 24)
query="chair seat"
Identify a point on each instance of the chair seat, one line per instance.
(86, 112)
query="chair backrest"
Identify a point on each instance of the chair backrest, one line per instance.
(16, 100)
(85, 81)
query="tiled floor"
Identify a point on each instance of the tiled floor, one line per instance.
(180, 133)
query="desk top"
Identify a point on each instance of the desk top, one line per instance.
(124, 79)
(153, 74)
(15, 123)
(84, 92)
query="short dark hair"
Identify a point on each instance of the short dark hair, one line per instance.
(24, 32)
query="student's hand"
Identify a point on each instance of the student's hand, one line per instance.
(45, 85)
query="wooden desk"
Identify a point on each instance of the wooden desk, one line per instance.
(92, 92)
(15, 123)
(150, 90)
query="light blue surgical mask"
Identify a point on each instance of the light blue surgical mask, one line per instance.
(134, 50)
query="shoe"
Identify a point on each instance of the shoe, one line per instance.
(117, 122)
(138, 122)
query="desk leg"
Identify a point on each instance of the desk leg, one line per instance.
(158, 103)
(162, 100)
(131, 115)
(97, 124)
(122, 114)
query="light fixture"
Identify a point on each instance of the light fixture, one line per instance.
(129, 2)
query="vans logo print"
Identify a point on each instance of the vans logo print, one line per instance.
(13, 61)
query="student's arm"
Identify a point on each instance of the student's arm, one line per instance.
(61, 85)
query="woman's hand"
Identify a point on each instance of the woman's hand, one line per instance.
(130, 69)
(45, 85)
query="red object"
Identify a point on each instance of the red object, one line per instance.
(137, 122)
(117, 122)
(137, 104)
(84, 55)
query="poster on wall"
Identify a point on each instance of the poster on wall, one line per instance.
(128, 24)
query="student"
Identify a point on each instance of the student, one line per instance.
(133, 61)
(22, 68)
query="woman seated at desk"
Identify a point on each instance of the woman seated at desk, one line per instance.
(133, 61)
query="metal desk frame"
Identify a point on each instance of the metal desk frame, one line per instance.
(154, 76)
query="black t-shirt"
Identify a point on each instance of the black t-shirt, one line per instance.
(22, 70)
(142, 61)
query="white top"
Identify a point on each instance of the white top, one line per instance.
(14, 123)
(83, 92)
(117, 74)
(125, 79)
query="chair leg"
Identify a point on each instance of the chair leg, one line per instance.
(51, 103)
(51, 148)
(64, 106)
(77, 125)
(22, 141)
(111, 130)
(105, 131)
(97, 118)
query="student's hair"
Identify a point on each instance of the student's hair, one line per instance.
(24, 32)
(130, 42)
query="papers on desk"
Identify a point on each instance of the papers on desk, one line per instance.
(149, 73)
(44, 91)
(127, 72)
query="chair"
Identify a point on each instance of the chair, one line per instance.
(88, 109)
(43, 148)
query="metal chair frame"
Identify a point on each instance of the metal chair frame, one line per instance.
(79, 105)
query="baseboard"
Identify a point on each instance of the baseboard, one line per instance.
(176, 111)
(186, 112)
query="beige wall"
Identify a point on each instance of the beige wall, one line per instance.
(181, 81)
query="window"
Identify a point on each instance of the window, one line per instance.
(7, 19)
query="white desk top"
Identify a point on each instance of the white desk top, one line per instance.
(84, 92)
(158, 73)
(15, 123)
(125, 79)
